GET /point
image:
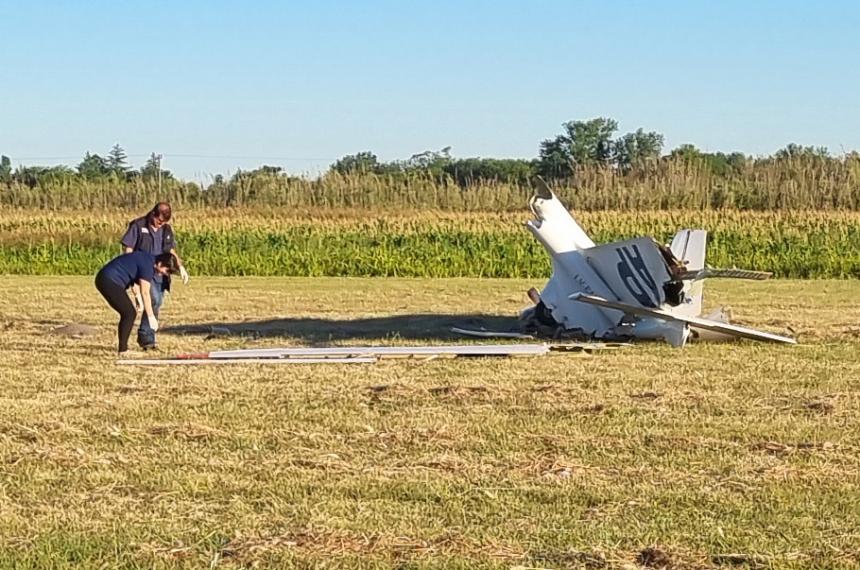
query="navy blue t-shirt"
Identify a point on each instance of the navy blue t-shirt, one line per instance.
(129, 268)
(132, 235)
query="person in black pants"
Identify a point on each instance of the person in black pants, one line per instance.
(153, 234)
(121, 273)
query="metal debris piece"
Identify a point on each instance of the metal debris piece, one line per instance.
(382, 351)
(216, 361)
(349, 354)
(484, 333)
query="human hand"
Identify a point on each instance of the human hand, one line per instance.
(153, 323)
(184, 275)
(138, 302)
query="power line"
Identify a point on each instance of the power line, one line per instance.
(186, 155)
(243, 157)
(76, 157)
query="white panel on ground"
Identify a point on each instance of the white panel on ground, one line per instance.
(390, 351)
(190, 361)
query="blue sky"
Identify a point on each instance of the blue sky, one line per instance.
(219, 85)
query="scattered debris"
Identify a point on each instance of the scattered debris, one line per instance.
(348, 354)
(380, 351)
(369, 354)
(484, 333)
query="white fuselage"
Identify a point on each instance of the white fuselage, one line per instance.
(576, 262)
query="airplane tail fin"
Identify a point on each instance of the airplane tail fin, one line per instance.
(689, 247)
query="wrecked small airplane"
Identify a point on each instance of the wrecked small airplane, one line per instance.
(632, 289)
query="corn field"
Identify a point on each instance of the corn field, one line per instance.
(291, 242)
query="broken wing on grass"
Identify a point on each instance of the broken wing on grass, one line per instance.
(692, 322)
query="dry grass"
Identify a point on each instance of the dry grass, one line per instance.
(714, 456)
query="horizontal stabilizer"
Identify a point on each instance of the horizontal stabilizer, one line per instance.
(712, 272)
(697, 322)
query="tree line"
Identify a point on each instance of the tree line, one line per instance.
(581, 144)
(114, 165)
(588, 162)
(590, 143)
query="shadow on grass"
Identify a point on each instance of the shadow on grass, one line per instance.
(311, 330)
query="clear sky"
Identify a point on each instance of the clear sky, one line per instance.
(216, 85)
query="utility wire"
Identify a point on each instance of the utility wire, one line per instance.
(185, 155)
(241, 157)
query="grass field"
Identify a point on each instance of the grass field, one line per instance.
(711, 456)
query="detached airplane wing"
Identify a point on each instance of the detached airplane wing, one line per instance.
(697, 322)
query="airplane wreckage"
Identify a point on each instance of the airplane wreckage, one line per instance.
(600, 295)
(632, 289)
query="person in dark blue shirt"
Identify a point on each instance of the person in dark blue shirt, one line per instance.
(152, 233)
(132, 269)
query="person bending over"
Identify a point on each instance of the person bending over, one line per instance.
(133, 269)
(153, 234)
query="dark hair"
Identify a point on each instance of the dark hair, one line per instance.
(168, 260)
(160, 211)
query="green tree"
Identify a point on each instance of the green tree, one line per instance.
(33, 176)
(362, 162)
(591, 141)
(512, 170)
(687, 152)
(431, 161)
(93, 166)
(555, 160)
(637, 149)
(117, 160)
(793, 150)
(718, 163)
(582, 143)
